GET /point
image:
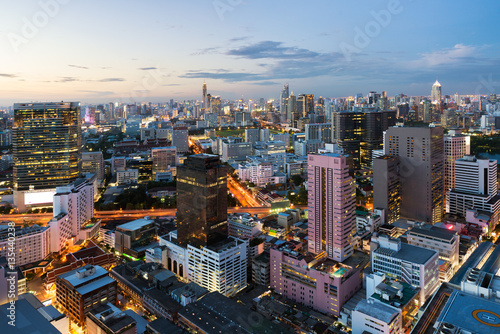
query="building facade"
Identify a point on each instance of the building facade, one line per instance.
(332, 201)
(201, 200)
(46, 146)
(421, 156)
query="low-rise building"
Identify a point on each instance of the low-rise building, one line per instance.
(80, 290)
(315, 281)
(127, 176)
(444, 241)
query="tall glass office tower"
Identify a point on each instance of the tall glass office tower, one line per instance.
(46, 145)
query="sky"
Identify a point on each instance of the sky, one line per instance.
(97, 51)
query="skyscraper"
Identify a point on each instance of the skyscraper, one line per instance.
(421, 156)
(455, 147)
(205, 101)
(285, 93)
(201, 201)
(332, 205)
(387, 187)
(292, 107)
(360, 132)
(46, 145)
(436, 92)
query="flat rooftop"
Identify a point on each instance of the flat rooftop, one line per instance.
(475, 314)
(379, 311)
(28, 320)
(135, 224)
(72, 279)
(409, 253)
(434, 232)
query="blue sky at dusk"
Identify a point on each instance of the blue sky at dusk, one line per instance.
(103, 51)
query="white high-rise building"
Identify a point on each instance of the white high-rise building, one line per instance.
(475, 186)
(436, 92)
(75, 200)
(455, 147)
(220, 267)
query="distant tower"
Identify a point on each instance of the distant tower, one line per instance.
(285, 93)
(436, 92)
(204, 96)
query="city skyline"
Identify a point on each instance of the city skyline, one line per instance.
(127, 51)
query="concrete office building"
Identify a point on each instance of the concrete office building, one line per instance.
(420, 152)
(444, 241)
(332, 200)
(475, 187)
(80, 290)
(46, 150)
(456, 146)
(387, 187)
(32, 243)
(252, 135)
(319, 131)
(131, 237)
(232, 151)
(180, 136)
(163, 158)
(413, 265)
(93, 162)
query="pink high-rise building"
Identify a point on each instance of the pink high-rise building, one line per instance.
(332, 205)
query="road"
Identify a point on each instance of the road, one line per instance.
(43, 218)
(243, 195)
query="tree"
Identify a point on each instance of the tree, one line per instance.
(297, 180)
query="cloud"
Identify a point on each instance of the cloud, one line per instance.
(224, 75)
(238, 39)
(147, 68)
(271, 49)
(80, 67)
(172, 84)
(111, 79)
(7, 75)
(206, 51)
(456, 54)
(68, 79)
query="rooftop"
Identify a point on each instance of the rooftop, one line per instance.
(378, 311)
(72, 278)
(135, 224)
(94, 285)
(28, 320)
(433, 232)
(475, 314)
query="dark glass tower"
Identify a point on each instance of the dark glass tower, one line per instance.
(201, 201)
(46, 144)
